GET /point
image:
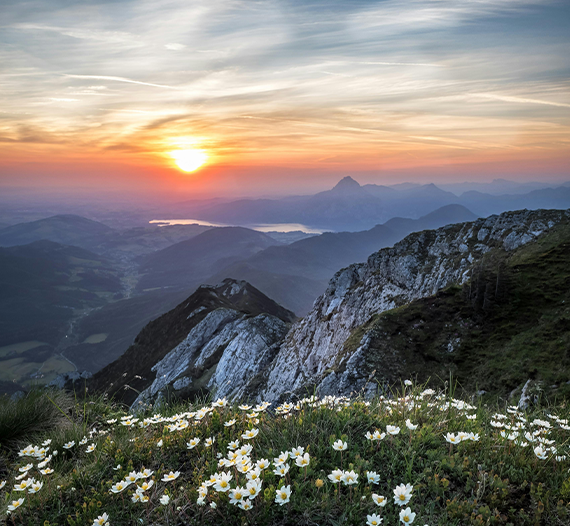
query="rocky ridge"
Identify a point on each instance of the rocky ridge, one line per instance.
(414, 268)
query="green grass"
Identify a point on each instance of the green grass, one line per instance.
(490, 481)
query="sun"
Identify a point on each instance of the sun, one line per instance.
(189, 160)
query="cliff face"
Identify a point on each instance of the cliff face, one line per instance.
(417, 267)
(219, 330)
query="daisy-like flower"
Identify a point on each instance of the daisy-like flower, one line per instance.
(452, 438)
(193, 443)
(407, 516)
(220, 402)
(283, 495)
(209, 442)
(392, 430)
(262, 463)
(102, 520)
(303, 461)
(373, 520)
(23, 486)
(145, 473)
(245, 505)
(281, 470)
(410, 426)
(2, 484)
(540, 452)
(47, 471)
(403, 494)
(223, 482)
(253, 488)
(339, 445)
(164, 500)
(91, 448)
(119, 486)
(35, 487)
(159, 443)
(244, 407)
(254, 473)
(349, 478)
(379, 500)
(83, 441)
(234, 444)
(26, 468)
(230, 423)
(15, 505)
(250, 433)
(281, 459)
(296, 452)
(237, 495)
(146, 485)
(336, 476)
(170, 476)
(373, 477)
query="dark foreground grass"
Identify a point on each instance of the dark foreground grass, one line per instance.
(490, 475)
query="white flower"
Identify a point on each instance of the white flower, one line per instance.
(339, 445)
(262, 463)
(102, 520)
(303, 461)
(15, 505)
(540, 452)
(119, 486)
(237, 495)
(373, 520)
(349, 478)
(392, 430)
(223, 482)
(159, 443)
(164, 500)
(379, 500)
(336, 476)
(407, 516)
(193, 443)
(373, 477)
(403, 494)
(35, 487)
(171, 476)
(250, 433)
(411, 426)
(230, 423)
(283, 495)
(281, 470)
(245, 505)
(407, 382)
(452, 439)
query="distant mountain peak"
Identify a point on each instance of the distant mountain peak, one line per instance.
(347, 184)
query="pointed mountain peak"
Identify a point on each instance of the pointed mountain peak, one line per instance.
(347, 183)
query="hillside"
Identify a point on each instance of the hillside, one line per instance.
(231, 306)
(64, 229)
(296, 274)
(186, 264)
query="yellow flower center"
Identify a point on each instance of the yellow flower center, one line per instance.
(402, 497)
(223, 483)
(283, 495)
(406, 518)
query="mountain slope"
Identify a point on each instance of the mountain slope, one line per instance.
(416, 267)
(226, 311)
(307, 265)
(65, 229)
(188, 263)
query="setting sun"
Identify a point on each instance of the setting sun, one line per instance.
(189, 160)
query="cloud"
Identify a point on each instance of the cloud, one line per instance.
(518, 100)
(174, 46)
(120, 79)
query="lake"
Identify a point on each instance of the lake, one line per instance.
(270, 227)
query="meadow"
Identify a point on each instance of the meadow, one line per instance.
(416, 456)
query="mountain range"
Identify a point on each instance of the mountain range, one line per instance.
(482, 298)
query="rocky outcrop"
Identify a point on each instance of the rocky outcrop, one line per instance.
(221, 354)
(416, 267)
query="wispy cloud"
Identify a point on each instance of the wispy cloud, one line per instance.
(120, 79)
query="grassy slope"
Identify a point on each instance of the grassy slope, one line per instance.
(509, 324)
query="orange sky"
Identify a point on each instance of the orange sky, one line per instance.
(282, 95)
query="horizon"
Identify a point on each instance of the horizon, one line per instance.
(280, 98)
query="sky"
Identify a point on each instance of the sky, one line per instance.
(282, 96)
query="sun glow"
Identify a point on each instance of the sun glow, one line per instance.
(189, 160)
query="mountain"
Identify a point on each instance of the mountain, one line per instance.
(45, 287)
(327, 348)
(479, 299)
(188, 263)
(294, 275)
(221, 332)
(64, 229)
